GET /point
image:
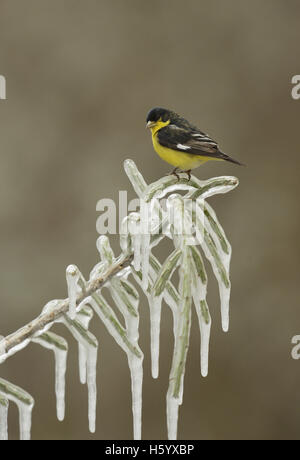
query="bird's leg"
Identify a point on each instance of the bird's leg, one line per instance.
(174, 173)
(188, 172)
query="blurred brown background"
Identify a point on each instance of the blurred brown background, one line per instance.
(81, 76)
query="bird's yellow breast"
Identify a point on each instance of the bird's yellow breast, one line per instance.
(182, 160)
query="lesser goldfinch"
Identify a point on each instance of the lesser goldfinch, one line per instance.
(180, 143)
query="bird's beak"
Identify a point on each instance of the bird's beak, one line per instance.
(150, 124)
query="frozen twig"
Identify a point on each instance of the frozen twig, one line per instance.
(170, 208)
(12, 341)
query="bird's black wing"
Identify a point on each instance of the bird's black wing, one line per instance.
(190, 141)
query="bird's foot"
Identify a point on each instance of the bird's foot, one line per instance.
(188, 172)
(174, 173)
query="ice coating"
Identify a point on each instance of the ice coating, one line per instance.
(145, 242)
(105, 250)
(170, 293)
(205, 326)
(126, 298)
(84, 316)
(5, 354)
(172, 416)
(155, 280)
(82, 363)
(25, 404)
(199, 290)
(90, 344)
(3, 418)
(134, 229)
(72, 277)
(59, 347)
(135, 177)
(136, 373)
(176, 380)
(155, 316)
(25, 414)
(91, 372)
(224, 251)
(137, 251)
(60, 382)
(220, 262)
(183, 319)
(154, 269)
(133, 352)
(164, 274)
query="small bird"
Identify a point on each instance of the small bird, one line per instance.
(180, 143)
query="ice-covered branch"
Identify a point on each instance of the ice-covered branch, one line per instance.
(19, 339)
(170, 207)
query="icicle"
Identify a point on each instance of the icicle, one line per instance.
(90, 343)
(136, 372)
(3, 418)
(159, 222)
(59, 346)
(199, 295)
(72, 276)
(126, 299)
(155, 316)
(25, 412)
(205, 325)
(225, 300)
(176, 380)
(217, 260)
(221, 274)
(60, 372)
(170, 293)
(88, 368)
(82, 363)
(125, 237)
(25, 404)
(134, 229)
(91, 366)
(84, 316)
(224, 250)
(145, 242)
(216, 230)
(165, 273)
(137, 251)
(175, 207)
(172, 416)
(113, 325)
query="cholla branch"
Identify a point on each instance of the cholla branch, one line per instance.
(189, 222)
(18, 340)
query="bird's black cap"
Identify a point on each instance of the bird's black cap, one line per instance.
(158, 112)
